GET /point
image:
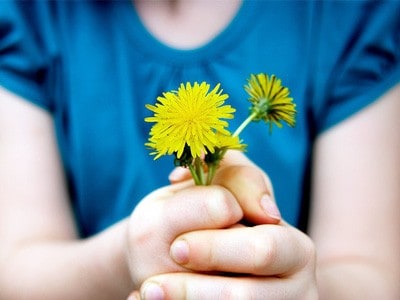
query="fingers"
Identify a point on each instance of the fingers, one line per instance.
(168, 213)
(179, 174)
(177, 210)
(270, 262)
(265, 250)
(200, 208)
(247, 183)
(200, 286)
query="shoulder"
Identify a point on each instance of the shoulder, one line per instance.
(356, 56)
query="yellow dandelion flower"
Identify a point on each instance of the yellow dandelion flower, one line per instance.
(226, 142)
(188, 119)
(270, 100)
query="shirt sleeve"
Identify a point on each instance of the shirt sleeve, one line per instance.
(368, 61)
(27, 56)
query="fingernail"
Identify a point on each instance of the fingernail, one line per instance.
(270, 207)
(180, 252)
(153, 291)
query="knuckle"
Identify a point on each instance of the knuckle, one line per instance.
(265, 252)
(210, 256)
(221, 207)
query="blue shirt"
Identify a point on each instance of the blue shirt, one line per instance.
(93, 66)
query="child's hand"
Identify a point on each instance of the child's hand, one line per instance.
(166, 214)
(183, 229)
(261, 262)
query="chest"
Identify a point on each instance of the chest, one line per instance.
(186, 24)
(111, 75)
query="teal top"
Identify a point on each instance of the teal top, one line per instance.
(93, 66)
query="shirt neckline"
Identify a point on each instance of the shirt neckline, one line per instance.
(145, 42)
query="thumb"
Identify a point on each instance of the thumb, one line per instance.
(251, 187)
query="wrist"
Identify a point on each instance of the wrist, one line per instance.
(110, 249)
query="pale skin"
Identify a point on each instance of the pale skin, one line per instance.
(352, 251)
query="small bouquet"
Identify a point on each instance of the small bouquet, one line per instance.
(190, 123)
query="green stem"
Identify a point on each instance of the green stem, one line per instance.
(193, 171)
(199, 170)
(244, 124)
(212, 168)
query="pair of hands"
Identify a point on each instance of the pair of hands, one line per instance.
(225, 241)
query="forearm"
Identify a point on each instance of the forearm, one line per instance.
(354, 279)
(82, 269)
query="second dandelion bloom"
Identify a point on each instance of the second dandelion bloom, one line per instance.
(270, 101)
